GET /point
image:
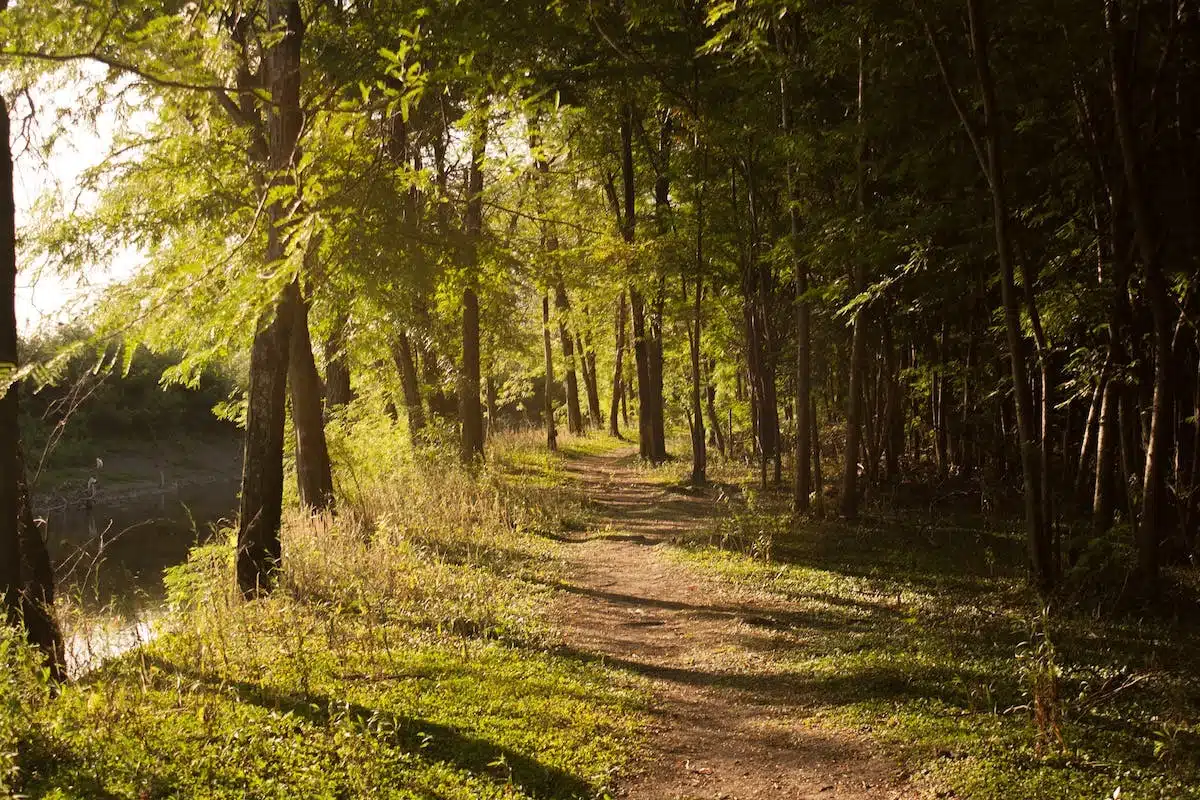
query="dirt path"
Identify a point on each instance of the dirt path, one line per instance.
(726, 723)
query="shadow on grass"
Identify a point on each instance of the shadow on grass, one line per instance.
(963, 634)
(434, 741)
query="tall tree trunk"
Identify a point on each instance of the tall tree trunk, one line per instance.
(571, 383)
(402, 355)
(1091, 434)
(313, 472)
(470, 409)
(1123, 46)
(986, 144)
(641, 358)
(618, 391)
(818, 479)
(757, 292)
(26, 573)
(802, 485)
(10, 435)
(338, 391)
(858, 343)
(641, 352)
(699, 444)
(1040, 554)
(662, 205)
(261, 508)
(893, 427)
(548, 352)
(630, 375)
(489, 392)
(1107, 435)
(714, 422)
(654, 353)
(587, 360)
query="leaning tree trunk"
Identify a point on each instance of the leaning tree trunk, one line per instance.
(1107, 435)
(259, 550)
(313, 472)
(470, 409)
(587, 361)
(986, 145)
(1040, 545)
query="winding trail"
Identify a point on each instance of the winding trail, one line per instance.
(726, 722)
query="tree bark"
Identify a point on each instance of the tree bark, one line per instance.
(714, 422)
(1123, 46)
(618, 391)
(402, 356)
(587, 360)
(470, 409)
(26, 573)
(259, 551)
(858, 345)
(10, 541)
(986, 146)
(641, 353)
(642, 360)
(338, 391)
(571, 382)
(802, 485)
(1107, 435)
(1040, 554)
(313, 471)
(548, 352)
(818, 480)
(699, 443)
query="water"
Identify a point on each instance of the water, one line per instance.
(109, 560)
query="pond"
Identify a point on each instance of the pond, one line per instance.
(109, 560)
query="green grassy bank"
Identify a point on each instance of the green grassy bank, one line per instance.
(915, 624)
(406, 654)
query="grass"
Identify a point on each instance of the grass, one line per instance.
(406, 654)
(914, 623)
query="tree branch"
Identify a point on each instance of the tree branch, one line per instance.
(939, 55)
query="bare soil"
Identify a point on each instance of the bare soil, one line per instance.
(726, 722)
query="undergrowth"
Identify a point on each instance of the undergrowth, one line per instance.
(405, 654)
(916, 625)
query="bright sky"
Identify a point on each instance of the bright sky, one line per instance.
(44, 297)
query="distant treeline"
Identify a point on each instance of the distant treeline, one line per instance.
(89, 397)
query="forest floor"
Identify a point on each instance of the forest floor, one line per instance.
(581, 625)
(726, 723)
